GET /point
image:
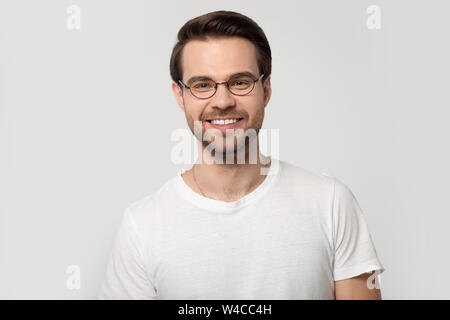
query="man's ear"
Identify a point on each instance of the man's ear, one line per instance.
(267, 91)
(178, 92)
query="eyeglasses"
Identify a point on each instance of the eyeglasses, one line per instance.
(205, 89)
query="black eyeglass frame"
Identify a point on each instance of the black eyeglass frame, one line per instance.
(227, 84)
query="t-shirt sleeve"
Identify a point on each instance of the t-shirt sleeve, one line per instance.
(126, 277)
(354, 251)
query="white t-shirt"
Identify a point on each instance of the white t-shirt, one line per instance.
(290, 238)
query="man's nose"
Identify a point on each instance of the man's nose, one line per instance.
(223, 98)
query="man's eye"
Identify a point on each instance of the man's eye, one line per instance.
(240, 83)
(202, 85)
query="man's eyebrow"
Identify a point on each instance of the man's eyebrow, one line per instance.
(233, 76)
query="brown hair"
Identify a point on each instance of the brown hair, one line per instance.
(222, 24)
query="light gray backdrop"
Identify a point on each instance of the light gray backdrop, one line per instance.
(86, 117)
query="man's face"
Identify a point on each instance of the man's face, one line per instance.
(218, 59)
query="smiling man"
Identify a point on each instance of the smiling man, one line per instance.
(224, 229)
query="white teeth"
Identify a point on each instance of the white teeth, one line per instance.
(227, 121)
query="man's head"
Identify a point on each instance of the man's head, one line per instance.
(218, 45)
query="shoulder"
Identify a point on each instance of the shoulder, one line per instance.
(319, 187)
(315, 180)
(298, 176)
(148, 207)
(309, 189)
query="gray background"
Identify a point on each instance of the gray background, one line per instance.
(86, 118)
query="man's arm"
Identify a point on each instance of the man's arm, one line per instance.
(356, 288)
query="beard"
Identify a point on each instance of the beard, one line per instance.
(235, 145)
(233, 148)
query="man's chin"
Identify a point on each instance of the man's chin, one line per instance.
(228, 154)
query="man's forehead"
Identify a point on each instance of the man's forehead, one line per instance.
(219, 57)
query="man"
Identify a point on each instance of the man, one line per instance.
(263, 229)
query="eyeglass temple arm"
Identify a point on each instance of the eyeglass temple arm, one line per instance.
(182, 84)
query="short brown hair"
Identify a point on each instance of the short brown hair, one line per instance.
(222, 24)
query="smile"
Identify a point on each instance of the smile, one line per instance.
(225, 123)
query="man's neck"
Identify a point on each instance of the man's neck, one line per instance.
(227, 182)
